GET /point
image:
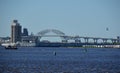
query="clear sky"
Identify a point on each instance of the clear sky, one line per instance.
(73, 17)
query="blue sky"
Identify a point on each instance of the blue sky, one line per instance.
(73, 17)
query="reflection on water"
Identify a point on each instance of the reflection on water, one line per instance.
(38, 59)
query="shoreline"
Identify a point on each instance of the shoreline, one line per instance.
(85, 47)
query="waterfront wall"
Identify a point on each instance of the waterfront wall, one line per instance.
(25, 44)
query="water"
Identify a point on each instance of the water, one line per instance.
(66, 60)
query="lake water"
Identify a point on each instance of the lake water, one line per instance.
(66, 60)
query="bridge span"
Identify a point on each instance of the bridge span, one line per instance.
(78, 39)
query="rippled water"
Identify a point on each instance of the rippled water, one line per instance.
(67, 60)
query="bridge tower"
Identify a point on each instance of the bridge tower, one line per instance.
(118, 39)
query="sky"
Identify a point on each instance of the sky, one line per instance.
(73, 17)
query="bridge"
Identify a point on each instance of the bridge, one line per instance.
(65, 38)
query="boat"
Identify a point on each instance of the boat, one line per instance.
(10, 47)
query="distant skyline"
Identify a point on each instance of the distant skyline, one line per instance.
(73, 17)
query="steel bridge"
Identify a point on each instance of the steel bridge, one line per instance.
(65, 38)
